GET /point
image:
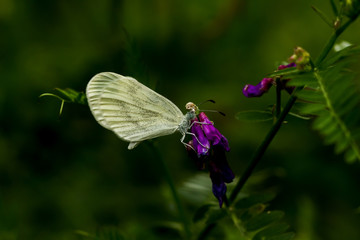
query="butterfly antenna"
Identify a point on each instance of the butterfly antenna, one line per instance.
(209, 100)
(221, 113)
(212, 101)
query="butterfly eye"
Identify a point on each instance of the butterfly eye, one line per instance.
(191, 106)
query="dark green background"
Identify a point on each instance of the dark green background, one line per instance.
(58, 175)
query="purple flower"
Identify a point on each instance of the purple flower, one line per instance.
(200, 143)
(287, 66)
(210, 147)
(258, 90)
(284, 82)
(212, 134)
(265, 84)
(220, 173)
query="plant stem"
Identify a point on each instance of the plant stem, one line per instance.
(263, 146)
(206, 231)
(331, 42)
(334, 8)
(278, 98)
(174, 193)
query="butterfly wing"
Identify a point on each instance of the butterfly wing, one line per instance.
(130, 109)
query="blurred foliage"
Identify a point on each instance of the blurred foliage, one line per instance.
(335, 101)
(58, 176)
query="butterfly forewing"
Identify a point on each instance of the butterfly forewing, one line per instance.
(130, 109)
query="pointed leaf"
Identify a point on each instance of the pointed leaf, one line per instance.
(306, 79)
(312, 108)
(311, 95)
(341, 46)
(299, 116)
(270, 231)
(253, 200)
(285, 72)
(263, 220)
(284, 236)
(215, 215)
(200, 214)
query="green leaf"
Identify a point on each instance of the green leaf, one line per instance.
(305, 79)
(200, 214)
(172, 230)
(263, 220)
(254, 116)
(107, 233)
(312, 108)
(84, 234)
(312, 95)
(67, 95)
(73, 96)
(253, 200)
(336, 103)
(216, 215)
(250, 217)
(284, 72)
(271, 231)
(284, 236)
(323, 16)
(299, 116)
(346, 52)
(341, 46)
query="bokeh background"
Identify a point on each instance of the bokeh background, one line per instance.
(62, 174)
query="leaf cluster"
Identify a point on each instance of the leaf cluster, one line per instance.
(67, 95)
(251, 217)
(332, 98)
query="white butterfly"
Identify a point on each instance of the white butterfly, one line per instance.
(133, 111)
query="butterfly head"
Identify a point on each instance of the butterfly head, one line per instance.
(192, 107)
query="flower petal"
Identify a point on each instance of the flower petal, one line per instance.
(212, 134)
(219, 191)
(222, 165)
(258, 90)
(200, 143)
(287, 66)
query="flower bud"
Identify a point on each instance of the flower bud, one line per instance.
(351, 8)
(300, 57)
(258, 90)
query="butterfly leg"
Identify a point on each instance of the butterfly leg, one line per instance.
(192, 134)
(186, 144)
(202, 123)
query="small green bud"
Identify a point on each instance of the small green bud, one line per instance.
(301, 58)
(337, 23)
(351, 8)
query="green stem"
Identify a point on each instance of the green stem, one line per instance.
(332, 41)
(206, 231)
(334, 8)
(174, 193)
(278, 97)
(263, 146)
